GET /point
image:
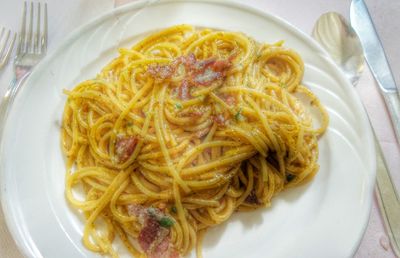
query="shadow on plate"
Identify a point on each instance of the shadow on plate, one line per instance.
(250, 219)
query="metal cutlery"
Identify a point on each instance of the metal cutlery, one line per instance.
(376, 59)
(32, 47)
(337, 37)
(7, 40)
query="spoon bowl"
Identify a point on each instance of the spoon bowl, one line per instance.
(339, 39)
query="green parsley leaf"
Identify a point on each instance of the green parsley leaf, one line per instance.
(173, 209)
(178, 106)
(166, 222)
(239, 116)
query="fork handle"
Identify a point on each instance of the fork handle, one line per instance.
(388, 201)
(7, 102)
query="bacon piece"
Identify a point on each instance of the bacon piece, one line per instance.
(189, 61)
(220, 119)
(229, 99)
(202, 72)
(125, 146)
(173, 253)
(136, 210)
(149, 233)
(153, 238)
(162, 71)
(201, 65)
(202, 132)
(207, 77)
(184, 91)
(163, 246)
(165, 250)
(207, 71)
(221, 65)
(166, 71)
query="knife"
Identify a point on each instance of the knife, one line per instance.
(388, 198)
(376, 59)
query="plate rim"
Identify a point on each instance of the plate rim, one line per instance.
(27, 246)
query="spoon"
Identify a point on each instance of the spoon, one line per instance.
(341, 42)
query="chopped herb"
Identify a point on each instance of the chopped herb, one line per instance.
(129, 124)
(166, 222)
(239, 116)
(290, 177)
(282, 85)
(178, 106)
(173, 209)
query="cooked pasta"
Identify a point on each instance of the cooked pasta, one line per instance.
(182, 130)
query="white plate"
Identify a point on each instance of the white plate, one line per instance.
(325, 218)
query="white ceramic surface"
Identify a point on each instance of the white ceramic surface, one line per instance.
(325, 218)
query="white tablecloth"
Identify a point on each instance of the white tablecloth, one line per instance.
(65, 16)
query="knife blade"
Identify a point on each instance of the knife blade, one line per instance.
(376, 58)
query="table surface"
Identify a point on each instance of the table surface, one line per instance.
(65, 16)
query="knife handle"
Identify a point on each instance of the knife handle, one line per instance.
(393, 104)
(388, 200)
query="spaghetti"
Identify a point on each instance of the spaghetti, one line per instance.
(182, 130)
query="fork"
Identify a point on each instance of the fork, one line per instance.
(6, 45)
(32, 47)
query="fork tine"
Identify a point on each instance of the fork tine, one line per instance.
(30, 28)
(44, 33)
(2, 38)
(37, 34)
(6, 48)
(3, 42)
(21, 41)
(2, 32)
(10, 48)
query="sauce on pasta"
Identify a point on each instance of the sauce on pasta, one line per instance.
(182, 130)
